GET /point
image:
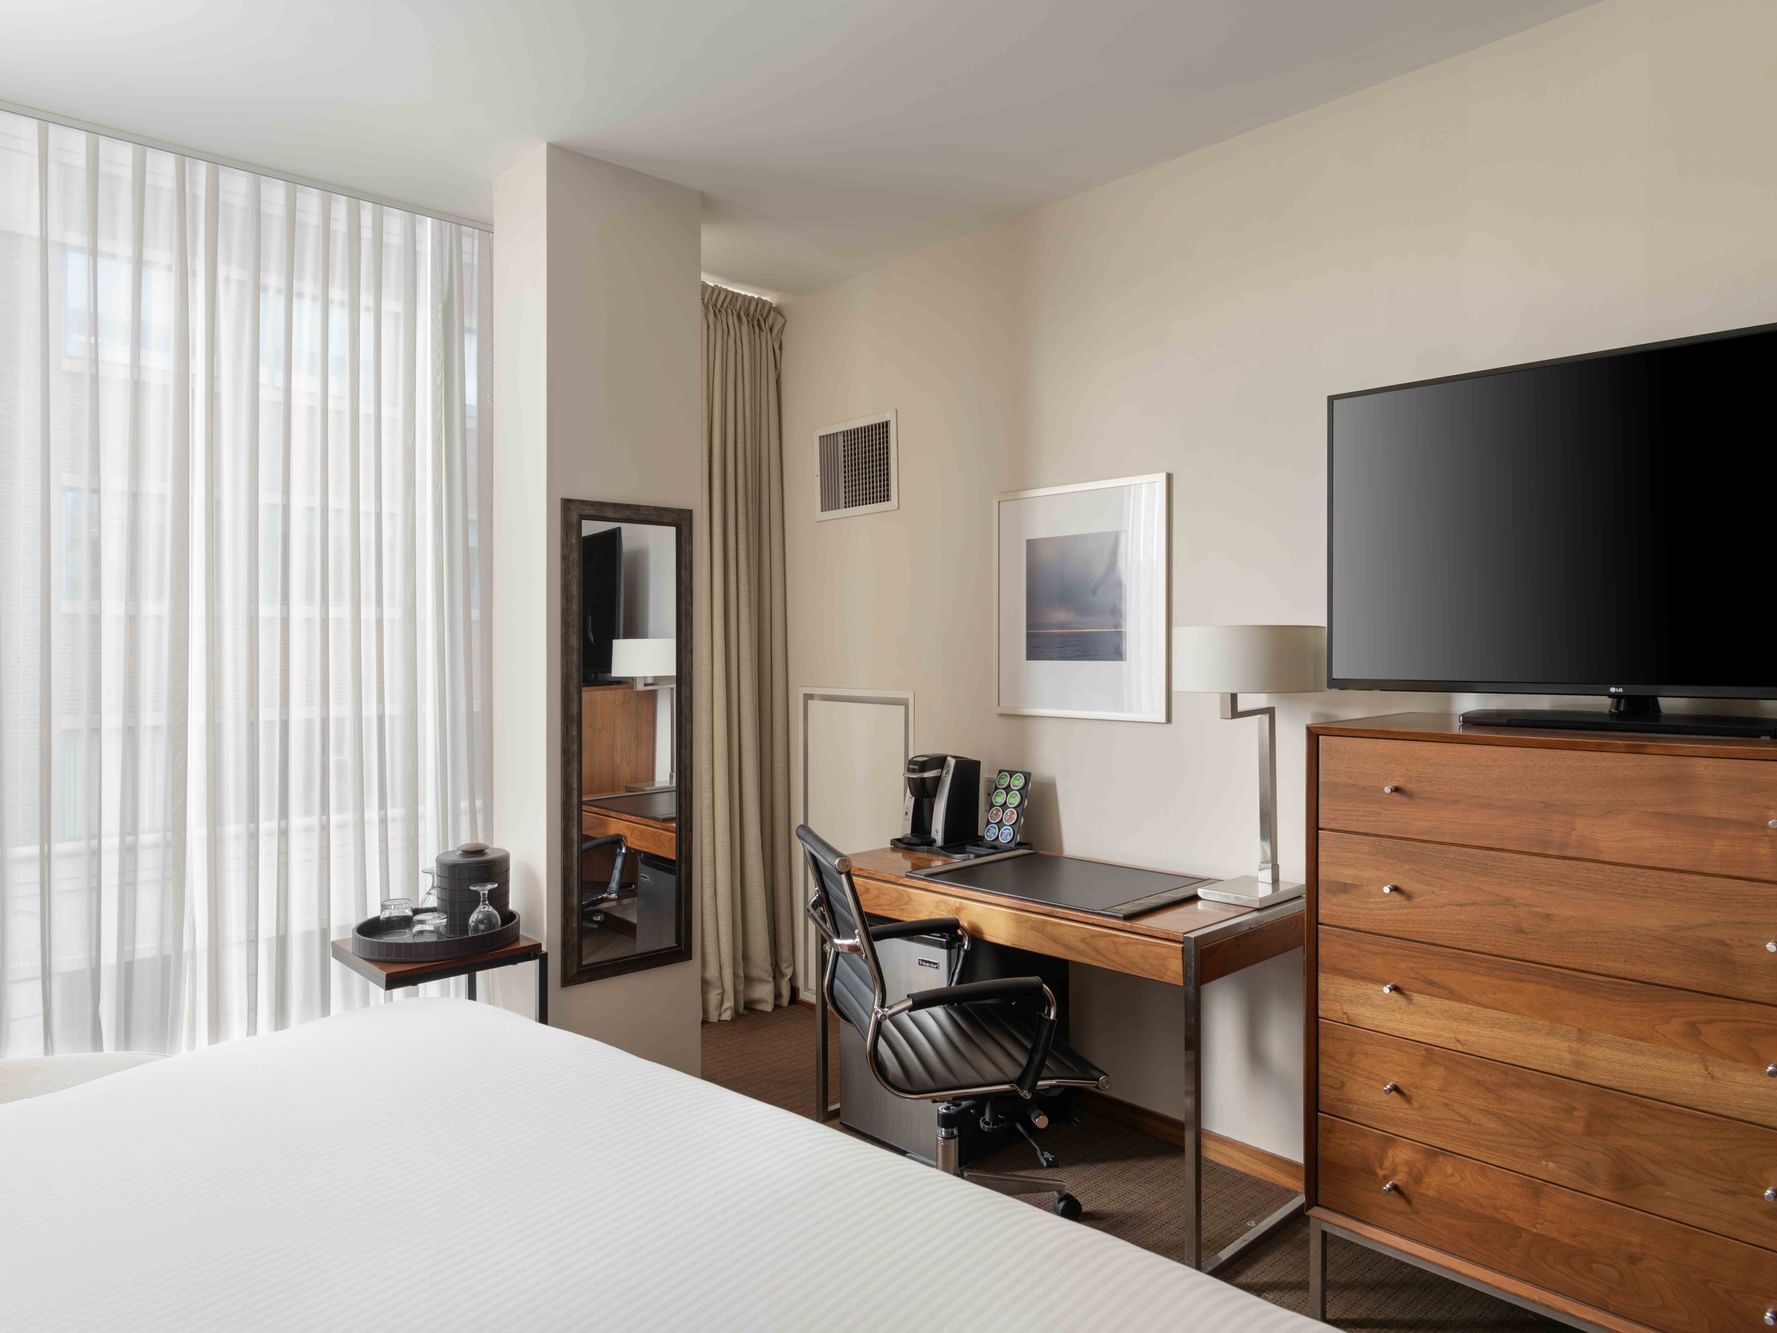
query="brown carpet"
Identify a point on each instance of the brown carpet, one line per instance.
(1129, 1184)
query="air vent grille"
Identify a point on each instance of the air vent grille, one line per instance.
(856, 462)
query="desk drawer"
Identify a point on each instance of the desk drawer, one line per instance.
(1691, 931)
(1701, 1051)
(1695, 1168)
(1710, 815)
(1639, 1267)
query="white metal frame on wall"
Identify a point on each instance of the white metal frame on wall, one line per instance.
(806, 951)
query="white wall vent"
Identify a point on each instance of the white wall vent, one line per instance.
(857, 467)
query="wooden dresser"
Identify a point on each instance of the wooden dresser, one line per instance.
(1542, 1015)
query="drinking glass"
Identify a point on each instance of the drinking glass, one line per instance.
(484, 918)
(398, 909)
(429, 898)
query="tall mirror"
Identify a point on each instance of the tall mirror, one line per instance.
(626, 744)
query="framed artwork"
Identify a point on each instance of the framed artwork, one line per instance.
(1080, 573)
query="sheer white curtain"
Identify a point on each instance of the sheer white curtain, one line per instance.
(242, 656)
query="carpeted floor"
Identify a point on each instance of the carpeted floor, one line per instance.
(1128, 1183)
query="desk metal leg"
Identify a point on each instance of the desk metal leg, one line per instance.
(543, 988)
(471, 980)
(1193, 1053)
(1193, 1062)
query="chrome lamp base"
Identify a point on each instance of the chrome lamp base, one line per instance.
(1249, 891)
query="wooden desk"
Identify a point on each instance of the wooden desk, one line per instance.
(657, 836)
(1185, 945)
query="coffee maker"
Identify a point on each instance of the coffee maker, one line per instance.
(943, 803)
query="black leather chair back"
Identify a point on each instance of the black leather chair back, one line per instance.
(854, 979)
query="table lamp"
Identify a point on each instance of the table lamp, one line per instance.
(652, 664)
(1231, 660)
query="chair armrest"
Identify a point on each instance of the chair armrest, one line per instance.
(931, 925)
(995, 990)
(1000, 990)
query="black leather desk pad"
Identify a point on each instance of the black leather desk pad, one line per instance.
(661, 805)
(1067, 881)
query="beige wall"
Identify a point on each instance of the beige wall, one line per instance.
(1601, 180)
(597, 328)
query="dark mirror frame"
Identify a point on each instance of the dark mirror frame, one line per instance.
(573, 514)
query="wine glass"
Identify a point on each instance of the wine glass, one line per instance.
(484, 918)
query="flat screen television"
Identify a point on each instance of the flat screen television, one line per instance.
(601, 601)
(1599, 524)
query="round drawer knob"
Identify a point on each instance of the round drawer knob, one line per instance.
(1771, 1071)
(1389, 1187)
(1396, 888)
(1771, 823)
(1771, 1318)
(1392, 790)
(1771, 1193)
(1389, 1089)
(1771, 946)
(1389, 988)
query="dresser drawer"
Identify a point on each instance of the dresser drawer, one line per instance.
(1701, 1169)
(1692, 931)
(1638, 1267)
(1710, 815)
(1700, 1051)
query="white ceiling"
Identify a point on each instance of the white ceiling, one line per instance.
(827, 137)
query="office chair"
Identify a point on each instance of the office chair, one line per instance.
(961, 1046)
(592, 902)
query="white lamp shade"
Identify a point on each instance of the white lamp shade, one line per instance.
(1249, 659)
(636, 658)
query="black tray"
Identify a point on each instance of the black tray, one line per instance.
(390, 942)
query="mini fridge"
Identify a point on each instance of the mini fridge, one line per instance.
(908, 965)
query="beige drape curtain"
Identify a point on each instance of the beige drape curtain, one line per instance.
(741, 678)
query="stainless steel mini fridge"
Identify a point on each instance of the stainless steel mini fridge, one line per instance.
(907, 965)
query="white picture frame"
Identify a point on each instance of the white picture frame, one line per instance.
(1081, 577)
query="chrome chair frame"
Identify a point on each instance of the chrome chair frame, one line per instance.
(1009, 990)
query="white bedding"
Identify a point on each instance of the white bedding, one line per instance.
(439, 1164)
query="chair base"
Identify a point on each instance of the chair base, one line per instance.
(949, 1160)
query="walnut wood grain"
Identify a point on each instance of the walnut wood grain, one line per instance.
(1708, 815)
(1607, 1144)
(1098, 944)
(1226, 957)
(1311, 968)
(1649, 1269)
(617, 738)
(1447, 729)
(1516, 1288)
(1167, 923)
(1689, 931)
(1149, 945)
(1700, 1051)
(390, 975)
(659, 837)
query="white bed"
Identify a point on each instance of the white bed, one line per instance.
(441, 1164)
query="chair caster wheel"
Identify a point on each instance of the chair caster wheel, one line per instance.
(1069, 1207)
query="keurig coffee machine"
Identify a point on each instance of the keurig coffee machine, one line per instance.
(943, 806)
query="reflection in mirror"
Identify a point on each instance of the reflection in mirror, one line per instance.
(628, 901)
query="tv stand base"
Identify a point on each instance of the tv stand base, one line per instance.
(1636, 717)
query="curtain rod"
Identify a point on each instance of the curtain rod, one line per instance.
(87, 127)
